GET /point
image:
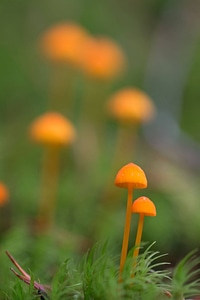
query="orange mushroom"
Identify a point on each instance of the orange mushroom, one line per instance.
(131, 105)
(4, 194)
(144, 207)
(131, 176)
(53, 131)
(102, 58)
(64, 42)
(63, 45)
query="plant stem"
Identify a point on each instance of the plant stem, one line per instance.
(126, 229)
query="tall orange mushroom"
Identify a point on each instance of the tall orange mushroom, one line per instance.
(102, 61)
(62, 44)
(53, 131)
(144, 207)
(130, 176)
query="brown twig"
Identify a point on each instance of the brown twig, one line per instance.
(25, 277)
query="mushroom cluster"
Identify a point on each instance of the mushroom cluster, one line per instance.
(131, 176)
(70, 43)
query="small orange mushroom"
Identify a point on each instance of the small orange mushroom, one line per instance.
(53, 131)
(131, 176)
(64, 42)
(102, 58)
(4, 194)
(144, 207)
(131, 105)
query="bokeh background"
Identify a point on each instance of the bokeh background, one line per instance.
(161, 42)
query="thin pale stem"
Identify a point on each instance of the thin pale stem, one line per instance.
(49, 187)
(126, 229)
(139, 235)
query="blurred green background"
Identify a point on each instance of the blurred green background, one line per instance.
(161, 42)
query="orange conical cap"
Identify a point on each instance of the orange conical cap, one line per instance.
(144, 205)
(131, 175)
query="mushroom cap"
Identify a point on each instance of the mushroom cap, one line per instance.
(143, 205)
(131, 175)
(131, 105)
(64, 42)
(4, 194)
(52, 129)
(102, 58)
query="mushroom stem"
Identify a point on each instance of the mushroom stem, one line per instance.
(126, 229)
(126, 140)
(61, 88)
(139, 235)
(49, 187)
(56, 86)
